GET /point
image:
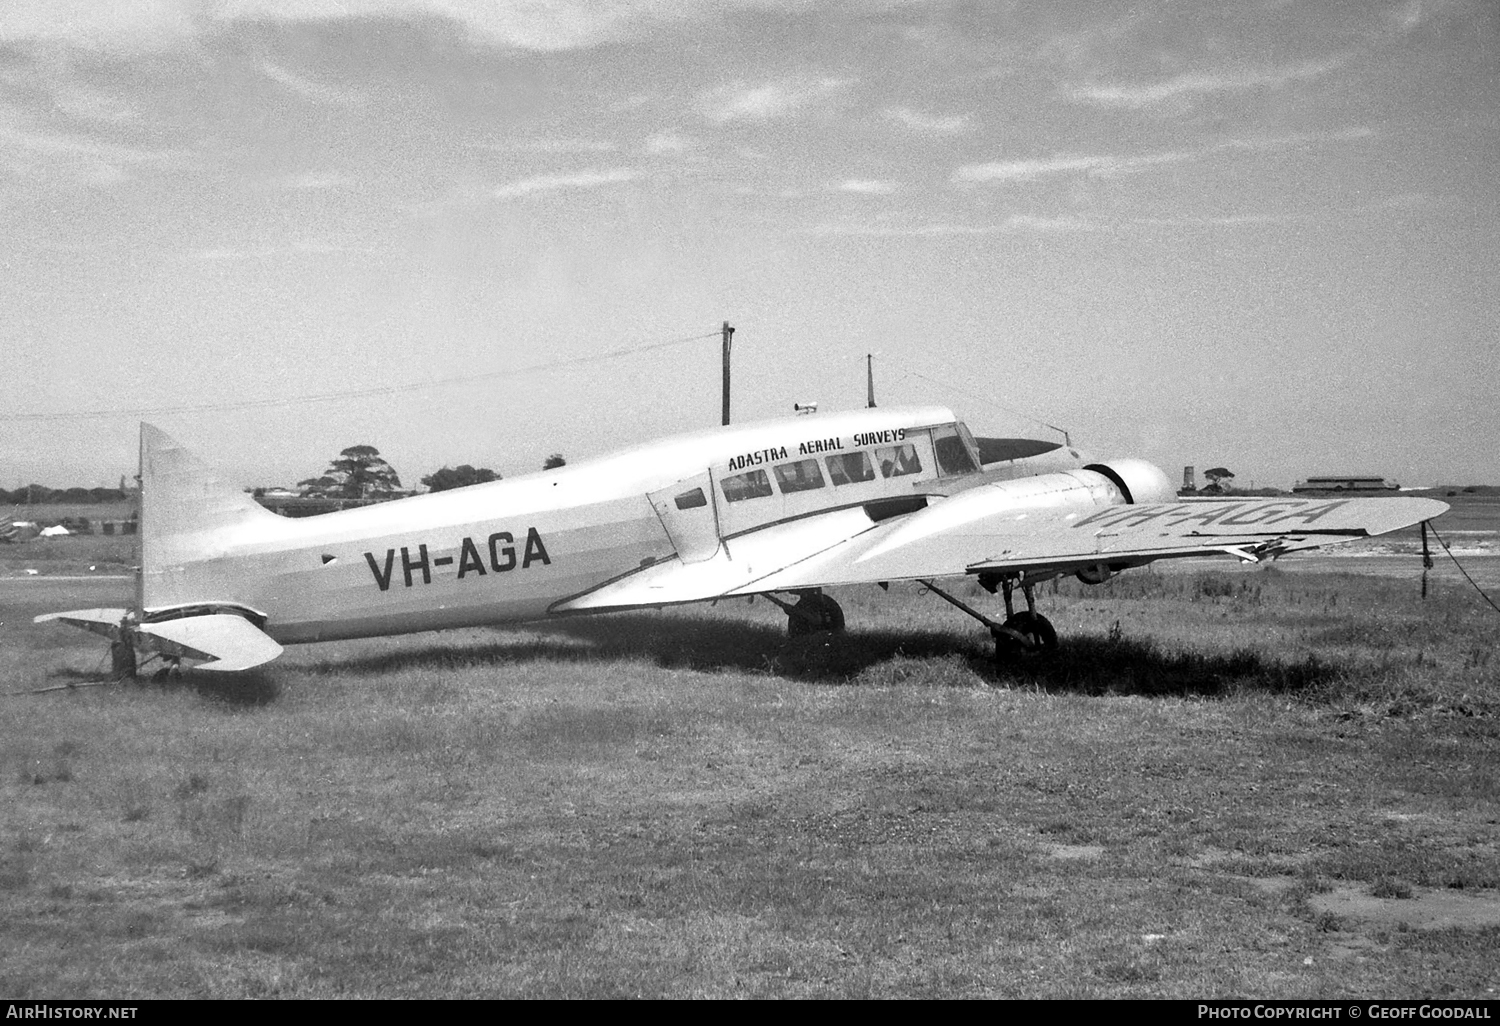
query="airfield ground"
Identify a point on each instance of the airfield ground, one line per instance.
(1273, 783)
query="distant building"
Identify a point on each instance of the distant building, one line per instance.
(1345, 483)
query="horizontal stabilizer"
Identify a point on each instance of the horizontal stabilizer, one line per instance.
(105, 622)
(227, 641)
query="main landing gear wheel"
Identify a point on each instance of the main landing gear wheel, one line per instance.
(1024, 633)
(1035, 630)
(814, 613)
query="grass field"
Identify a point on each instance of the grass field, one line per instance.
(1263, 783)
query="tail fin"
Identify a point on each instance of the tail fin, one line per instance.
(189, 515)
(196, 531)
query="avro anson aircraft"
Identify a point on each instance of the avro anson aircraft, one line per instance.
(780, 508)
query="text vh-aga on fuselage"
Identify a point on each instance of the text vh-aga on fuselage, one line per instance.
(782, 506)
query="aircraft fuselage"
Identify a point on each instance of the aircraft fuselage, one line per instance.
(514, 550)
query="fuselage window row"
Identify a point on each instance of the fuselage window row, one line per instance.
(805, 475)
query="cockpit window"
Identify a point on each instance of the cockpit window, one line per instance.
(802, 476)
(850, 468)
(952, 454)
(692, 499)
(752, 484)
(898, 461)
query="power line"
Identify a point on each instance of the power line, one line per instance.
(381, 390)
(987, 401)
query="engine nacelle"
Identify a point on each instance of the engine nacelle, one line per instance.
(1137, 480)
(1101, 484)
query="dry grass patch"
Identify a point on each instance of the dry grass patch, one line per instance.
(689, 804)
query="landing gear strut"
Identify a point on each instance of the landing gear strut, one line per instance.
(1026, 632)
(812, 613)
(122, 659)
(1034, 630)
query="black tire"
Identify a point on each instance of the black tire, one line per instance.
(814, 613)
(1034, 627)
(833, 615)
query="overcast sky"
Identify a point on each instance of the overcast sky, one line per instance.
(1259, 235)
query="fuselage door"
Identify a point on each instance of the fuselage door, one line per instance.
(690, 514)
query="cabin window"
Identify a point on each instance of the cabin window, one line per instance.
(952, 454)
(850, 468)
(692, 499)
(898, 461)
(751, 485)
(802, 476)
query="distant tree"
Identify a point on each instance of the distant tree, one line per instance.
(320, 486)
(358, 473)
(1218, 478)
(32, 493)
(554, 461)
(458, 477)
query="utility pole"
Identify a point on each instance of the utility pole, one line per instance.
(870, 379)
(728, 337)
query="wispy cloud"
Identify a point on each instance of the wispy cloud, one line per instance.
(83, 103)
(306, 88)
(745, 102)
(866, 187)
(1024, 170)
(553, 146)
(223, 254)
(554, 183)
(77, 156)
(1146, 95)
(1103, 165)
(1397, 204)
(929, 124)
(535, 25)
(1016, 224)
(314, 181)
(1406, 17)
(670, 142)
(113, 26)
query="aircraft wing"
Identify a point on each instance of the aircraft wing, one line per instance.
(963, 536)
(981, 530)
(227, 641)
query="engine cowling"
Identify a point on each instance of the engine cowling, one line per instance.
(1137, 480)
